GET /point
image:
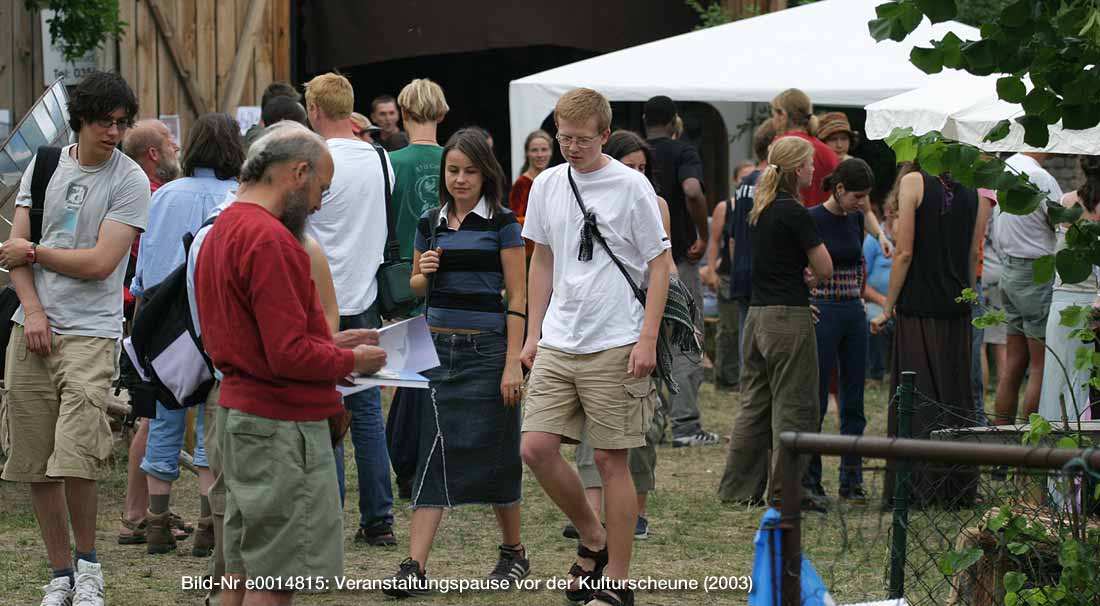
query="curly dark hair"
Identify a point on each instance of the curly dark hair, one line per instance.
(97, 95)
(214, 142)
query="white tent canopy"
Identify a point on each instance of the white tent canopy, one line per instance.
(823, 48)
(964, 108)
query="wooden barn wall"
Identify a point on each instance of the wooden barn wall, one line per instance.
(20, 58)
(206, 32)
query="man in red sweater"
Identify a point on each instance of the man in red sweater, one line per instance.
(264, 329)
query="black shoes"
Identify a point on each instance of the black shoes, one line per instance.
(512, 565)
(409, 581)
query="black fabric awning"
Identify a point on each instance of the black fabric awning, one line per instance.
(338, 34)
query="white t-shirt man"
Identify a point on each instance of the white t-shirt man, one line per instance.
(1027, 236)
(592, 308)
(351, 225)
(78, 200)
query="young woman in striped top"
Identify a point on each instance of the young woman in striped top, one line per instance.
(841, 325)
(466, 253)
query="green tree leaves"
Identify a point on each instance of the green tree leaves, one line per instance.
(1056, 45)
(80, 26)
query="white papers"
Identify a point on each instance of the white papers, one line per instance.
(409, 351)
(247, 115)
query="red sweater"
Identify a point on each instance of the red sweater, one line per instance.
(262, 322)
(825, 162)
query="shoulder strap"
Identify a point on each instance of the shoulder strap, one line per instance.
(433, 227)
(393, 248)
(639, 293)
(44, 166)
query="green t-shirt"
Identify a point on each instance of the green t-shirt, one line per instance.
(416, 188)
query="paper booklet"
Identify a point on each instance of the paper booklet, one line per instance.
(409, 352)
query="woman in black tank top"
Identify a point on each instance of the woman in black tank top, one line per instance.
(939, 224)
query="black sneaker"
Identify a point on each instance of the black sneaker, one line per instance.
(379, 535)
(853, 495)
(410, 581)
(512, 566)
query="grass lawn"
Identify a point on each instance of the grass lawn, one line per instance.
(693, 536)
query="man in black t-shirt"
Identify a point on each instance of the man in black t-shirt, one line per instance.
(678, 171)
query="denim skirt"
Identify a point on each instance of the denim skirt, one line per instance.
(469, 440)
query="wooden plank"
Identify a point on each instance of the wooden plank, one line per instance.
(189, 87)
(127, 44)
(22, 59)
(7, 84)
(265, 40)
(36, 64)
(227, 49)
(172, 47)
(238, 74)
(167, 83)
(206, 52)
(247, 93)
(281, 63)
(146, 61)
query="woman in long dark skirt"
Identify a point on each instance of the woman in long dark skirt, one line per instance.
(466, 253)
(940, 224)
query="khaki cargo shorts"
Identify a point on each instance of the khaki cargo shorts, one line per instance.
(564, 390)
(53, 419)
(283, 518)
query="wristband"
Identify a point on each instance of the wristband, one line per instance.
(32, 254)
(517, 314)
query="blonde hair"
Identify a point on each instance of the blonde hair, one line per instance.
(580, 104)
(677, 127)
(800, 111)
(422, 101)
(332, 94)
(891, 204)
(786, 155)
(535, 134)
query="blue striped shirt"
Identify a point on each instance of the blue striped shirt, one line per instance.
(466, 291)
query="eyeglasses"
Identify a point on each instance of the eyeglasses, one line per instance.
(582, 142)
(107, 123)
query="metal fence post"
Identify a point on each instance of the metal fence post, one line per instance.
(906, 392)
(790, 522)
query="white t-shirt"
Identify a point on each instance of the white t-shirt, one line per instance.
(351, 225)
(78, 200)
(592, 308)
(1028, 236)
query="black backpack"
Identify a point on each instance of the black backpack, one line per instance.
(165, 346)
(45, 164)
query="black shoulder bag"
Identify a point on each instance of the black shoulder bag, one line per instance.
(677, 326)
(45, 164)
(395, 296)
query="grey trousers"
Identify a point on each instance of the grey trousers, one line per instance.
(687, 370)
(779, 392)
(727, 346)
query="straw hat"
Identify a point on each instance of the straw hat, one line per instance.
(832, 123)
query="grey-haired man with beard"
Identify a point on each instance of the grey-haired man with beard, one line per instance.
(263, 328)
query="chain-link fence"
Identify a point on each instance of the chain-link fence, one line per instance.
(961, 515)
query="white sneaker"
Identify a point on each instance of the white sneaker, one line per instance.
(89, 584)
(58, 593)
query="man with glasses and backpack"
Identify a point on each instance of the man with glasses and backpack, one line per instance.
(77, 212)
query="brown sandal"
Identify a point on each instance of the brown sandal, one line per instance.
(137, 532)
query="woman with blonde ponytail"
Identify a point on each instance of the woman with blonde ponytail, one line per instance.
(779, 372)
(793, 116)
